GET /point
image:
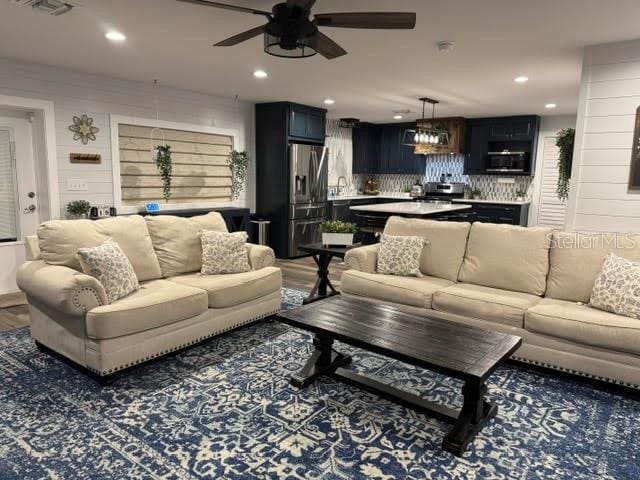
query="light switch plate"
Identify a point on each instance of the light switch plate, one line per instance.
(77, 185)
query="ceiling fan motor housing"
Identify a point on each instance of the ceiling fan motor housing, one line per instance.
(291, 26)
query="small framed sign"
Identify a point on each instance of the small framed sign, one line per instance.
(634, 173)
(93, 158)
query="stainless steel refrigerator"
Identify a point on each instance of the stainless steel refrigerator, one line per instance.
(308, 181)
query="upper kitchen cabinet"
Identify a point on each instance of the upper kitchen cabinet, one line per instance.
(379, 149)
(501, 146)
(306, 123)
(365, 148)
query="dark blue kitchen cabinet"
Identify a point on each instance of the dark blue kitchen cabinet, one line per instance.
(515, 134)
(365, 148)
(307, 123)
(379, 149)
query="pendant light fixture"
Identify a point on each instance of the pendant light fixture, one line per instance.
(426, 132)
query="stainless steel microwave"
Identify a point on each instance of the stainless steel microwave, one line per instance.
(507, 161)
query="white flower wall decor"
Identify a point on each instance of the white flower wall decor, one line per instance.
(83, 129)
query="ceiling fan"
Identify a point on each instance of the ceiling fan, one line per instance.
(289, 31)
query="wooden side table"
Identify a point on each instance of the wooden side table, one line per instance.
(323, 255)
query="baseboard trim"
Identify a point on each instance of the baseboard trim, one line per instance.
(12, 299)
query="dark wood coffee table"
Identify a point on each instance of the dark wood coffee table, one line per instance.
(322, 255)
(456, 350)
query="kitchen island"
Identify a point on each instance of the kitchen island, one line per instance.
(411, 209)
(371, 219)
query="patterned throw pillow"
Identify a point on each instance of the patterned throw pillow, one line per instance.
(224, 252)
(617, 287)
(400, 255)
(112, 268)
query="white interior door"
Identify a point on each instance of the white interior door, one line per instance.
(18, 206)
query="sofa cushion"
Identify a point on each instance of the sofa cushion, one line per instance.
(157, 303)
(232, 289)
(224, 252)
(412, 291)
(112, 268)
(400, 255)
(507, 257)
(576, 259)
(584, 325)
(60, 240)
(446, 242)
(492, 304)
(177, 243)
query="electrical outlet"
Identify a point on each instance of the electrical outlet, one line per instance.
(77, 185)
(510, 180)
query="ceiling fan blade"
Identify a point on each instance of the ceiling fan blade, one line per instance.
(241, 37)
(383, 20)
(302, 4)
(327, 47)
(227, 7)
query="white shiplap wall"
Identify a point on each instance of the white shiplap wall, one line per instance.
(75, 93)
(609, 97)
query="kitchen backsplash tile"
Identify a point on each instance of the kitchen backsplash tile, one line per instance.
(491, 187)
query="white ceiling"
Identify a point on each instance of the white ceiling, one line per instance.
(496, 40)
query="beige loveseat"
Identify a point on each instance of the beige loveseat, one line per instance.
(532, 282)
(175, 307)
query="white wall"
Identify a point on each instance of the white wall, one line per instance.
(76, 93)
(609, 97)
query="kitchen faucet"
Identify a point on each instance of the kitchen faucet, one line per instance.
(345, 183)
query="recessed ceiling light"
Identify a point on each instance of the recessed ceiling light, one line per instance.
(260, 74)
(550, 105)
(115, 36)
(329, 101)
(521, 79)
(397, 116)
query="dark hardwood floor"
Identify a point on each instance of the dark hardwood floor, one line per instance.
(299, 273)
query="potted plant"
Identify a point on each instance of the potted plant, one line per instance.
(238, 163)
(520, 195)
(564, 142)
(165, 167)
(476, 193)
(337, 232)
(78, 209)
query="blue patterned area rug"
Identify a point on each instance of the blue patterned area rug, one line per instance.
(225, 409)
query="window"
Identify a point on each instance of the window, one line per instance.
(200, 170)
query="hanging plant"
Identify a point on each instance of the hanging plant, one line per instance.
(564, 142)
(165, 167)
(238, 163)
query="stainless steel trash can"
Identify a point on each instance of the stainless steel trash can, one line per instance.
(262, 231)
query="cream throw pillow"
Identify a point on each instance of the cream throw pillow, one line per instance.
(617, 287)
(400, 255)
(224, 252)
(112, 268)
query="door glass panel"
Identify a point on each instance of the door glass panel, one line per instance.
(8, 189)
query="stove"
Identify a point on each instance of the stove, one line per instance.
(441, 192)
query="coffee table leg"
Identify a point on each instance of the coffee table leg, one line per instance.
(319, 291)
(324, 360)
(475, 414)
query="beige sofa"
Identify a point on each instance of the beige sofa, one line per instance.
(531, 282)
(175, 306)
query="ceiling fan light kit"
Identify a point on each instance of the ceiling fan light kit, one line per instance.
(291, 33)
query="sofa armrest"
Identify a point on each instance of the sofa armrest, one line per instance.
(260, 256)
(61, 288)
(363, 259)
